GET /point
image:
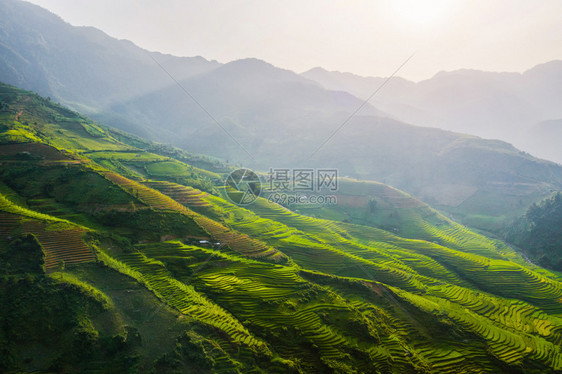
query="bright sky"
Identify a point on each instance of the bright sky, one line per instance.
(365, 37)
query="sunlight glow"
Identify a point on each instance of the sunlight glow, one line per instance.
(419, 12)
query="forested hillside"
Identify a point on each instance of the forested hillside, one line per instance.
(538, 232)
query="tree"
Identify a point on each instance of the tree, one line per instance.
(538, 232)
(372, 205)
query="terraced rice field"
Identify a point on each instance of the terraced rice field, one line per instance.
(52, 208)
(8, 222)
(188, 196)
(324, 246)
(462, 265)
(278, 213)
(446, 354)
(252, 288)
(34, 149)
(325, 251)
(238, 242)
(147, 195)
(390, 259)
(65, 245)
(423, 273)
(183, 296)
(455, 236)
(500, 277)
(495, 322)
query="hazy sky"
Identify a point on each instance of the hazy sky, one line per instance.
(360, 36)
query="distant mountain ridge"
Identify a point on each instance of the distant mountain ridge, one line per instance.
(81, 66)
(504, 106)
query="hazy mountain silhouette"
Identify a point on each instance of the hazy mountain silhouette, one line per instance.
(80, 66)
(493, 105)
(545, 138)
(250, 97)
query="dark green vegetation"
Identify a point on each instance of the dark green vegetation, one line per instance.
(112, 261)
(539, 232)
(277, 115)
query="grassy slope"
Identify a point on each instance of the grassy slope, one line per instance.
(282, 291)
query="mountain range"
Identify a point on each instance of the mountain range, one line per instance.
(509, 106)
(250, 112)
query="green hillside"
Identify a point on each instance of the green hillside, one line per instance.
(120, 255)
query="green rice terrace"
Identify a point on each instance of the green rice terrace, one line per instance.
(117, 255)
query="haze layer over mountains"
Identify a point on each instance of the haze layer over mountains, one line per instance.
(524, 109)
